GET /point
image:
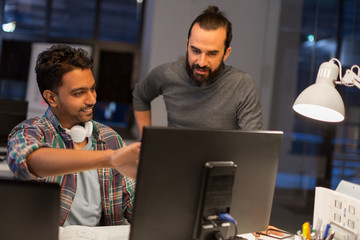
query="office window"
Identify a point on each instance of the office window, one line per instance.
(120, 20)
(314, 153)
(114, 79)
(115, 21)
(113, 89)
(112, 29)
(72, 19)
(24, 16)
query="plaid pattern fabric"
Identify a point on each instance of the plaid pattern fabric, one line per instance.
(117, 191)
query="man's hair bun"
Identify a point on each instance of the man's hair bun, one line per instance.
(212, 10)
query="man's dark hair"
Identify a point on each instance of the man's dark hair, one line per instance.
(54, 62)
(212, 19)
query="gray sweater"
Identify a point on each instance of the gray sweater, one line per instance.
(231, 102)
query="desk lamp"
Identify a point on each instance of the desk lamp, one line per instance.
(321, 101)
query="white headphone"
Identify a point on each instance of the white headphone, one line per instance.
(78, 133)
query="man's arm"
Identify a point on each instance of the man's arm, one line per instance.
(144, 92)
(249, 114)
(45, 162)
(143, 119)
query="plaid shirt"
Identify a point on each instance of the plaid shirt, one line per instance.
(117, 191)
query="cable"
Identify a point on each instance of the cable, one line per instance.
(228, 218)
(217, 235)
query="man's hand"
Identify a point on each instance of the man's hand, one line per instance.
(126, 160)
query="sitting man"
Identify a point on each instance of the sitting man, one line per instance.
(87, 159)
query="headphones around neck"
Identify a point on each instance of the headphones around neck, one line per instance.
(78, 133)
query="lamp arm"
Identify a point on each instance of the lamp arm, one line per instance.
(357, 77)
(351, 78)
(340, 70)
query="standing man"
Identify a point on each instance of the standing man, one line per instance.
(201, 91)
(88, 159)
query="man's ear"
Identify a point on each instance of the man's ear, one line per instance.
(50, 98)
(227, 53)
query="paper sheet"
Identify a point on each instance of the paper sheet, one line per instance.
(341, 211)
(76, 232)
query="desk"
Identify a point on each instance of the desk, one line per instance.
(4, 169)
(121, 232)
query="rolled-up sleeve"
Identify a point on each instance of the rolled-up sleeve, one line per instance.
(23, 140)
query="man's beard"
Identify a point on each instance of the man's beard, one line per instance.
(202, 80)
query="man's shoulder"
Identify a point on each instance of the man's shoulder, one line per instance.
(33, 127)
(105, 131)
(168, 71)
(236, 74)
(102, 127)
(173, 69)
(34, 122)
(233, 70)
(177, 64)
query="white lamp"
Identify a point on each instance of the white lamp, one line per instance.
(321, 101)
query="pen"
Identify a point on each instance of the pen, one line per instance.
(327, 230)
(331, 236)
(306, 231)
(318, 229)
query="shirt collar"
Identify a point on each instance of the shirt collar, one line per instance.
(52, 118)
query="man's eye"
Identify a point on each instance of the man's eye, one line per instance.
(77, 94)
(212, 53)
(195, 50)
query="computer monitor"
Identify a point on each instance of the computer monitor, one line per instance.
(29, 210)
(12, 112)
(170, 173)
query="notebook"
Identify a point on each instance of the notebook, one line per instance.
(29, 210)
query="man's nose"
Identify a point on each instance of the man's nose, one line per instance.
(91, 98)
(202, 60)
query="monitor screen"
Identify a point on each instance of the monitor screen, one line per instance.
(12, 112)
(29, 210)
(170, 173)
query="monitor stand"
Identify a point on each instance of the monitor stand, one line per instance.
(215, 200)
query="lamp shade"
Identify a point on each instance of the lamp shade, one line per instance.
(321, 101)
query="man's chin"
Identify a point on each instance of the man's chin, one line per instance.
(199, 82)
(200, 77)
(86, 118)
